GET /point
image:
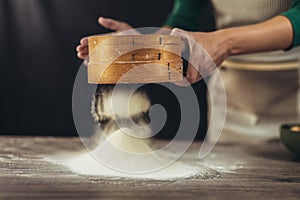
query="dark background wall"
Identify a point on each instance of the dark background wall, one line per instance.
(38, 58)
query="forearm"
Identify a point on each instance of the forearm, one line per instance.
(274, 34)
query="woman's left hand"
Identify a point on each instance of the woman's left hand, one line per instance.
(206, 53)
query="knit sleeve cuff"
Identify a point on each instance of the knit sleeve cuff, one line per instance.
(294, 16)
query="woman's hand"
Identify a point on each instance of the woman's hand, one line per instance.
(209, 50)
(117, 26)
(206, 53)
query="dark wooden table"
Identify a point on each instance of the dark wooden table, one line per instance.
(249, 170)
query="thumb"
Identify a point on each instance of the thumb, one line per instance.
(178, 32)
(183, 36)
(113, 24)
(200, 63)
(192, 73)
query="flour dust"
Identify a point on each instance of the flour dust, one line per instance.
(125, 145)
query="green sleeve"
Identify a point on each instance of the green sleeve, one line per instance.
(185, 14)
(294, 16)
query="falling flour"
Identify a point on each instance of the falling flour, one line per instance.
(120, 154)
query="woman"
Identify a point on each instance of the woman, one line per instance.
(243, 27)
(279, 32)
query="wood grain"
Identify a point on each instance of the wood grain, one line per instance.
(148, 58)
(266, 171)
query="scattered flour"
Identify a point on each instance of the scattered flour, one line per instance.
(118, 146)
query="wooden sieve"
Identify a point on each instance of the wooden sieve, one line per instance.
(134, 59)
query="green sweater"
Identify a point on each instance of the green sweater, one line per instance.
(185, 14)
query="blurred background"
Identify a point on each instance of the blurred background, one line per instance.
(39, 63)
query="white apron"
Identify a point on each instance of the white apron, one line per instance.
(262, 88)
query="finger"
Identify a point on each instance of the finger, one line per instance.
(192, 74)
(183, 35)
(82, 55)
(178, 32)
(82, 49)
(84, 41)
(113, 24)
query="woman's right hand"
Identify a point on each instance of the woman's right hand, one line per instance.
(117, 26)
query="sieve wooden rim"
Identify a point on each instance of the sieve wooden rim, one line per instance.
(107, 65)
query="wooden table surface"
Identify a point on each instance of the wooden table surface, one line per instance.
(249, 170)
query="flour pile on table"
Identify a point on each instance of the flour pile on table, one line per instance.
(120, 152)
(87, 163)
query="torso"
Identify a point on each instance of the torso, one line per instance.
(230, 13)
